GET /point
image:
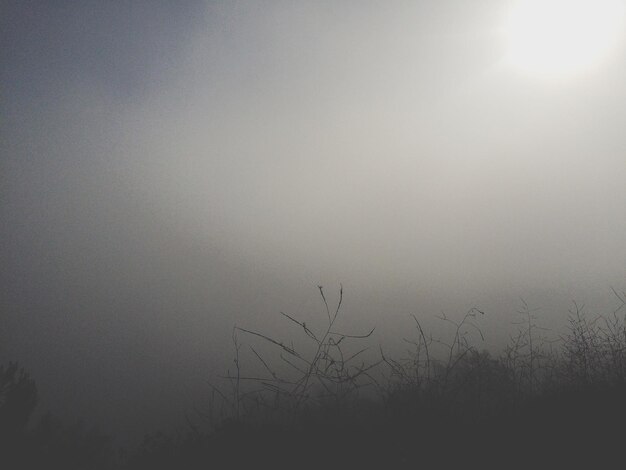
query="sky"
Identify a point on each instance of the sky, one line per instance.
(171, 169)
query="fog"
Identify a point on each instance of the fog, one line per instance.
(168, 172)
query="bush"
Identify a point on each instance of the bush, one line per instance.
(48, 444)
(446, 403)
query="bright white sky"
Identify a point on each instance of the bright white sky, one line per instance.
(562, 38)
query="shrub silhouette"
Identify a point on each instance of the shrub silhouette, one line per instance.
(18, 399)
(559, 402)
(48, 444)
(554, 403)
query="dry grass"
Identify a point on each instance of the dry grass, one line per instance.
(445, 402)
(334, 400)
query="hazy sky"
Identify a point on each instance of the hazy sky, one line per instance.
(169, 169)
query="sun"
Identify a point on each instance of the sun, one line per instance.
(554, 38)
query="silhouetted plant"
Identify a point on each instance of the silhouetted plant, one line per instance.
(539, 396)
(594, 350)
(18, 399)
(530, 356)
(324, 363)
(49, 443)
(426, 371)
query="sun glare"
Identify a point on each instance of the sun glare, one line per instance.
(561, 37)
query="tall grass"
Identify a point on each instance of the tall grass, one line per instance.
(335, 398)
(591, 352)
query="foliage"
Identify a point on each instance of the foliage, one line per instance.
(447, 402)
(18, 398)
(50, 443)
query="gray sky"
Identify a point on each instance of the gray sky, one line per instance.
(169, 169)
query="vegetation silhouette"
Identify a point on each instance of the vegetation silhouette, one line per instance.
(18, 398)
(332, 400)
(48, 444)
(320, 403)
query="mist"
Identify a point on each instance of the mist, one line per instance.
(169, 172)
